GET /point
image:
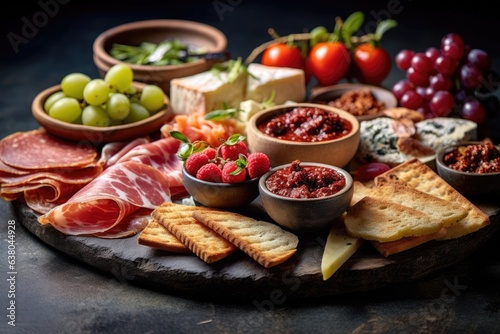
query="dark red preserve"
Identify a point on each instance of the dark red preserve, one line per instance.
(298, 181)
(306, 124)
(474, 158)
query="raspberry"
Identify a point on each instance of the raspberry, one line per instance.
(257, 164)
(228, 168)
(195, 161)
(210, 152)
(209, 172)
(232, 152)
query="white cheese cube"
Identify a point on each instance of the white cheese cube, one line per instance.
(205, 92)
(287, 84)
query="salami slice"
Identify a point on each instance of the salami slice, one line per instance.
(36, 149)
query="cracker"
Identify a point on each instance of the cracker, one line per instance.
(402, 193)
(201, 240)
(156, 236)
(423, 178)
(383, 220)
(265, 242)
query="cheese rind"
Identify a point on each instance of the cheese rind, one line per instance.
(338, 249)
(205, 92)
(284, 82)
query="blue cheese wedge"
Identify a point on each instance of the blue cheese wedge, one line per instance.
(378, 140)
(205, 92)
(284, 83)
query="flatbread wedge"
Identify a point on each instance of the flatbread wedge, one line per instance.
(156, 236)
(423, 178)
(201, 240)
(402, 193)
(265, 242)
(397, 246)
(383, 220)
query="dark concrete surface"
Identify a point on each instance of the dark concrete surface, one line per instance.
(56, 294)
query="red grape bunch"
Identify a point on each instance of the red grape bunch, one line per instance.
(453, 80)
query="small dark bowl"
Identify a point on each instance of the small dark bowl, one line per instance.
(306, 214)
(220, 195)
(468, 184)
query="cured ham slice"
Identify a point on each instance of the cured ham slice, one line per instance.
(110, 199)
(160, 154)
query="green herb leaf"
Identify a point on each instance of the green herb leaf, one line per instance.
(221, 114)
(179, 136)
(382, 27)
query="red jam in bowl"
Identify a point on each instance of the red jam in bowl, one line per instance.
(306, 124)
(474, 158)
(298, 181)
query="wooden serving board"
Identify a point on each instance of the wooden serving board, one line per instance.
(239, 277)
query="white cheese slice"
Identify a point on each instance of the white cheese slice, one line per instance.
(205, 92)
(248, 108)
(338, 249)
(286, 83)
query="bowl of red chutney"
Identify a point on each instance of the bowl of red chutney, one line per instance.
(306, 196)
(306, 132)
(472, 168)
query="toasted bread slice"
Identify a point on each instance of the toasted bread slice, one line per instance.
(423, 178)
(156, 236)
(360, 190)
(265, 242)
(402, 193)
(393, 247)
(201, 240)
(383, 220)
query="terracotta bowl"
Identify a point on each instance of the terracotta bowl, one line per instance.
(156, 31)
(336, 152)
(306, 214)
(97, 135)
(468, 184)
(331, 93)
(220, 195)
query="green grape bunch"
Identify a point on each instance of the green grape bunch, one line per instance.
(112, 100)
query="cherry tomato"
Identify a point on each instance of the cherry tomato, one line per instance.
(330, 62)
(371, 64)
(369, 171)
(283, 55)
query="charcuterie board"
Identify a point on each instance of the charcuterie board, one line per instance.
(239, 277)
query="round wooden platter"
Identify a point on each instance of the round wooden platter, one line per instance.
(239, 277)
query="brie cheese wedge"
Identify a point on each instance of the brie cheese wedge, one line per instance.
(284, 82)
(205, 92)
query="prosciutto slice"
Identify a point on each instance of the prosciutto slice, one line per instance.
(160, 154)
(120, 191)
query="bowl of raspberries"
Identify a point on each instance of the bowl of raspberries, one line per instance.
(226, 176)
